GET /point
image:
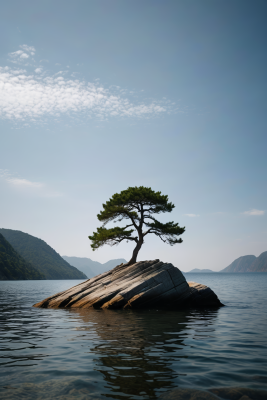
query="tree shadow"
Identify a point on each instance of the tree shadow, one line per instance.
(138, 349)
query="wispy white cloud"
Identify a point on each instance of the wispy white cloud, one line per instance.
(18, 71)
(18, 53)
(254, 212)
(29, 49)
(31, 187)
(60, 73)
(19, 56)
(33, 96)
(192, 215)
(4, 173)
(26, 97)
(24, 55)
(19, 182)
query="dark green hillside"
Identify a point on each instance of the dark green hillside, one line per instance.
(260, 264)
(41, 256)
(13, 266)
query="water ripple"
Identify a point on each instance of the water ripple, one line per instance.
(132, 354)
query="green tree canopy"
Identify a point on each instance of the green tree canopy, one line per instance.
(138, 205)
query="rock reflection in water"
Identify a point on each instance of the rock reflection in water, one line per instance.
(137, 350)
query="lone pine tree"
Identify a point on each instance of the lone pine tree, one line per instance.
(138, 205)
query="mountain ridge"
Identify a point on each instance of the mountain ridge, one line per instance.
(197, 270)
(248, 263)
(41, 256)
(92, 268)
(260, 264)
(243, 264)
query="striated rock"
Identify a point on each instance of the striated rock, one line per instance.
(146, 284)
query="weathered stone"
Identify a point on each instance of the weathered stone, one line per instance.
(144, 284)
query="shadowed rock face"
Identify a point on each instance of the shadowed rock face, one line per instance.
(146, 284)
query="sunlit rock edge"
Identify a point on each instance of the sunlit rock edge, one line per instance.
(145, 284)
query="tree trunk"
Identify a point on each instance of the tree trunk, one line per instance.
(135, 252)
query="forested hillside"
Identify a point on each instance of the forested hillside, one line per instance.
(13, 266)
(41, 256)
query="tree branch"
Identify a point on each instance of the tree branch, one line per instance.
(133, 221)
(125, 237)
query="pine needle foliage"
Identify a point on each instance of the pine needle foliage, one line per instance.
(138, 205)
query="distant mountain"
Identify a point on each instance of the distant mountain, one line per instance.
(197, 270)
(13, 266)
(92, 268)
(248, 264)
(41, 256)
(260, 264)
(241, 264)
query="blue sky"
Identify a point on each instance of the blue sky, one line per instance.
(102, 95)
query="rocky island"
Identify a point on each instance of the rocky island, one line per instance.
(145, 284)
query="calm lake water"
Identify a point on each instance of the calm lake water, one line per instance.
(94, 354)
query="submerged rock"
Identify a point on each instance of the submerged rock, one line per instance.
(217, 394)
(146, 284)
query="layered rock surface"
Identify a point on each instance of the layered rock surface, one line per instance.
(146, 284)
